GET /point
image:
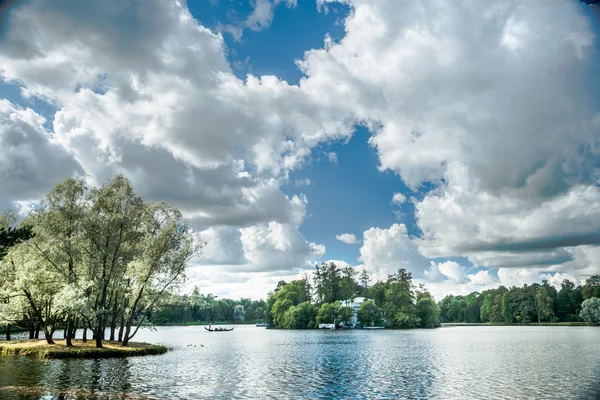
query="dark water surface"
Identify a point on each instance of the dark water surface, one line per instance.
(447, 363)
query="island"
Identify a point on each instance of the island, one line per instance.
(78, 349)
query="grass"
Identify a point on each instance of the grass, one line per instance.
(40, 349)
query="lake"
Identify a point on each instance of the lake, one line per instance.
(475, 362)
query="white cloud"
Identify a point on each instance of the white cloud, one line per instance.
(384, 251)
(332, 157)
(453, 271)
(398, 198)
(479, 101)
(31, 162)
(155, 99)
(482, 277)
(347, 238)
(493, 105)
(261, 17)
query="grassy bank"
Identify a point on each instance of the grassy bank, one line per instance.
(445, 324)
(40, 349)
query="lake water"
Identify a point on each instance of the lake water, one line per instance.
(447, 363)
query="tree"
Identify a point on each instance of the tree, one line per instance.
(239, 313)
(399, 301)
(543, 304)
(591, 288)
(327, 282)
(285, 297)
(348, 288)
(369, 314)
(345, 314)
(428, 312)
(301, 316)
(568, 300)
(329, 313)
(590, 311)
(365, 282)
(96, 257)
(12, 307)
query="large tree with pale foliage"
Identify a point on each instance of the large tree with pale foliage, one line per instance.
(590, 311)
(98, 259)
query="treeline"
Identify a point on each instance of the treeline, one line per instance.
(527, 304)
(197, 307)
(96, 259)
(394, 303)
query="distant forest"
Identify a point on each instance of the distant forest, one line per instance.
(530, 303)
(394, 303)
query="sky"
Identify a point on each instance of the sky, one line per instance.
(458, 140)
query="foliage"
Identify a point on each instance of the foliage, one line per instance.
(329, 313)
(99, 258)
(239, 313)
(527, 304)
(394, 302)
(590, 311)
(428, 311)
(369, 314)
(301, 316)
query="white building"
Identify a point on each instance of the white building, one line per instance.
(355, 305)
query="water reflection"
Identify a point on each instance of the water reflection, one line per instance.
(461, 362)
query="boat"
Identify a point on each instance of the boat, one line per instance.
(210, 329)
(326, 326)
(262, 325)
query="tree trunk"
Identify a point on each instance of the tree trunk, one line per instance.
(85, 328)
(48, 336)
(122, 327)
(74, 328)
(8, 332)
(31, 331)
(127, 332)
(68, 331)
(37, 331)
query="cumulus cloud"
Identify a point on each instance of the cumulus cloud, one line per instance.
(492, 106)
(347, 238)
(261, 17)
(148, 92)
(398, 198)
(384, 251)
(31, 162)
(332, 157)
(495, 106)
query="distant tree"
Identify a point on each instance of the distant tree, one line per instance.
(301, 316)
(279, 302)
(369, 314)
(348, 288)
(327, 282)
(365, 282)
(569, 299)
(428, 312)
(329, 313)
(239, 313)
(496, 315)
(544, 304)
(591, 288)
(345, 314)
(590, 311)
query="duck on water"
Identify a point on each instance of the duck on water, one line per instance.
(210, 329)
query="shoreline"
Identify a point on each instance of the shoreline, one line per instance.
(38, 348)
(452, 324)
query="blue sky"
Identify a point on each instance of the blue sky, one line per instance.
(487, 120)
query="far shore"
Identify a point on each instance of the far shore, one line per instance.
(40, 349)
(450, 324)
